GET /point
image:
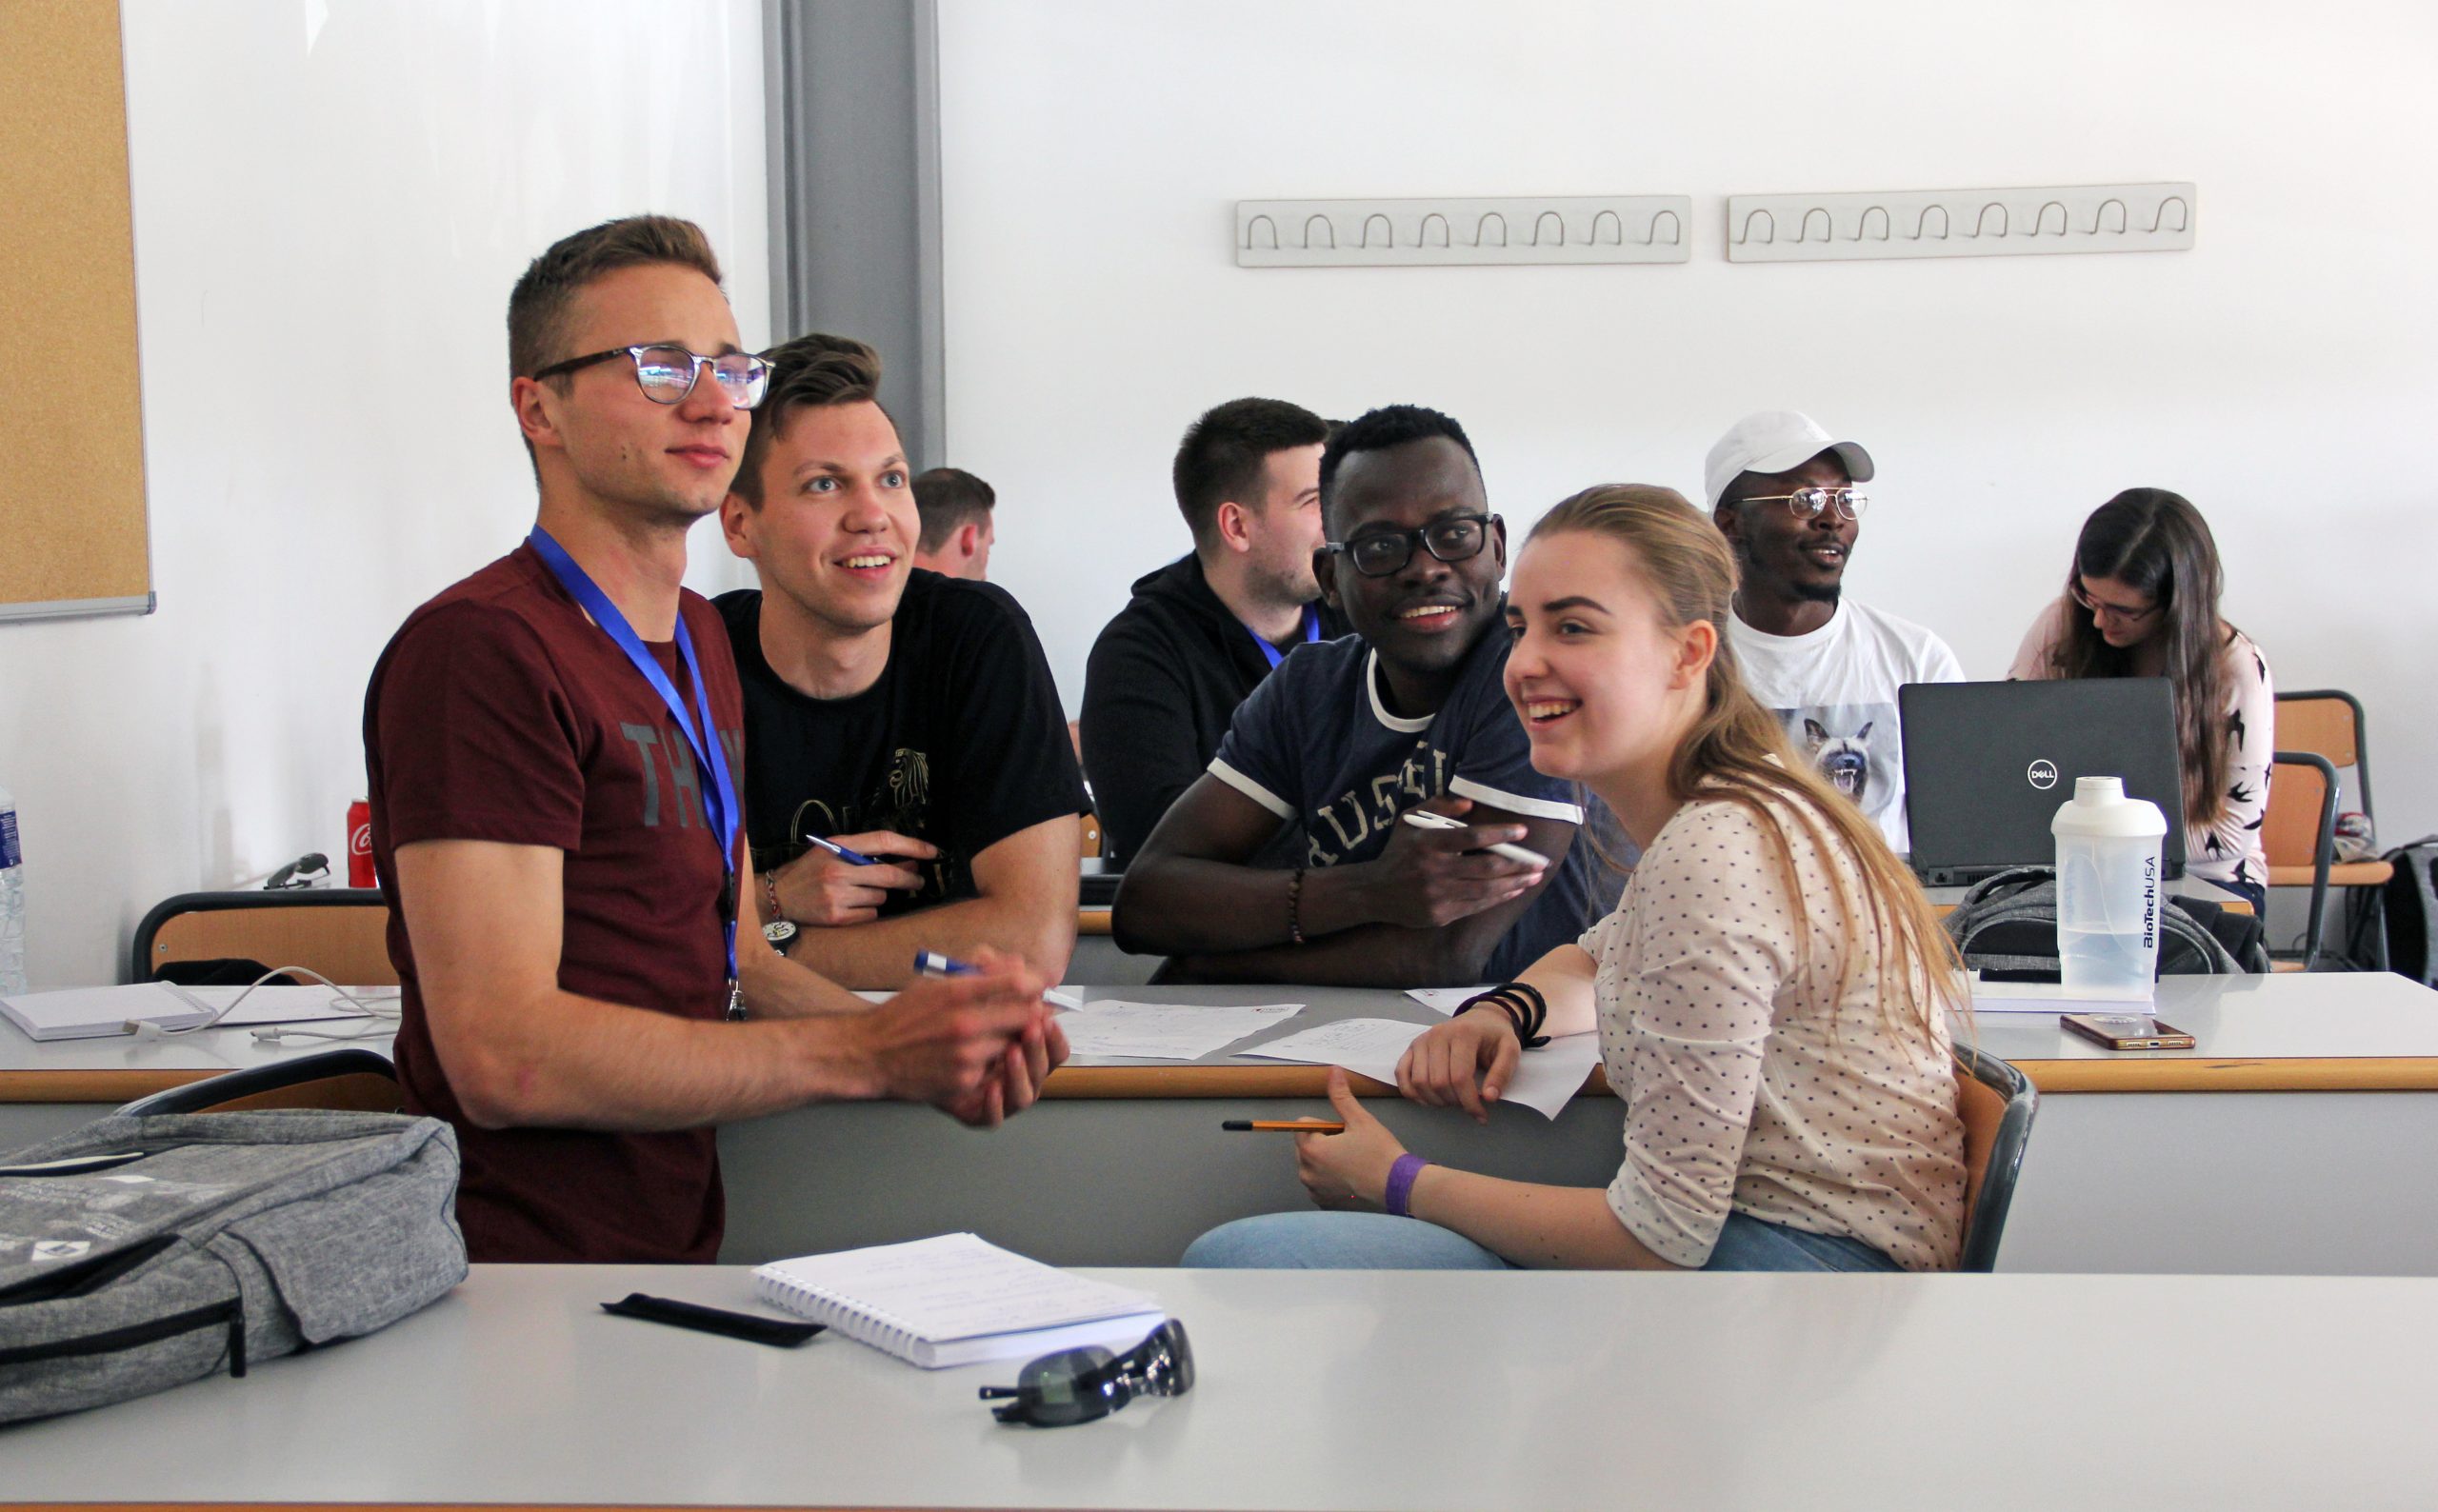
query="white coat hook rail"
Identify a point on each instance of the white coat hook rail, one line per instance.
(1960, 223)
(1425, 232)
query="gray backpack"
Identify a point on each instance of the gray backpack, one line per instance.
(2006, 927)
(138, 1253)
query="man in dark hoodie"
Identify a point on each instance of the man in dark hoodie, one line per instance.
(1201, 633)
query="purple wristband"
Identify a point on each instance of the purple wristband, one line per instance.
(1400, 1190)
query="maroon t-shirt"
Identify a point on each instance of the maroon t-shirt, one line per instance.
(500, 712)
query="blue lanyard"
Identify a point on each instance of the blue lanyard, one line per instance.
(1311, 635)
(719, 796)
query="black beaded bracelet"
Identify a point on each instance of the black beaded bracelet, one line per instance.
(1525, 1008)
(1295, 906)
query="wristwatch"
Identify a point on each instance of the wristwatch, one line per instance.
(781, 933)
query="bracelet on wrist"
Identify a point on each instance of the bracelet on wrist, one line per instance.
(1526, 1010)
(1398, 1198)
(1295, 906)
(770, 896)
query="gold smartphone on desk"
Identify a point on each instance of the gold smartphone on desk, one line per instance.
(2127, 1032)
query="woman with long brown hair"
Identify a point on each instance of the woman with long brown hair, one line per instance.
(2142, 600)
(1771, 993)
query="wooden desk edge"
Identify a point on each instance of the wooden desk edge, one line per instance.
(2196, 1074)
(2199, 1074)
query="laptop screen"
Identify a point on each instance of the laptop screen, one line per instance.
(1987, 764)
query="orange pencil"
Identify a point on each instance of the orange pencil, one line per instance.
(1276, 1126)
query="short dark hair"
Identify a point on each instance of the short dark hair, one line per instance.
(813, 372)
(1388, 426)
(950, 499)
(1222, 455)
(538, 308)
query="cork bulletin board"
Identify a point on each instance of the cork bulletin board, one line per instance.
(72, 537)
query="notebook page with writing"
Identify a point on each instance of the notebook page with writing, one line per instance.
(955, 1299)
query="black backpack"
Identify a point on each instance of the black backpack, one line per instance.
(2005, 928)
(2409, 906)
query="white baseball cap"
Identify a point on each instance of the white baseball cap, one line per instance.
(1776, 441)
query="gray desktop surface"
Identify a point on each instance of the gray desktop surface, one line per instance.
(1349, 1389)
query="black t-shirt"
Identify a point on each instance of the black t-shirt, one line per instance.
(963, 741)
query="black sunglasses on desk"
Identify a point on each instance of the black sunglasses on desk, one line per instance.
(1081, 1385)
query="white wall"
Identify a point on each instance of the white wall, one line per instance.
(2284, 374)
(331, 200)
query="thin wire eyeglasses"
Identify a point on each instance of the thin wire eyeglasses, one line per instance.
(1808, 503)
(668, 374)
(1081, 1386)
(1450, 538)
(2112, 610)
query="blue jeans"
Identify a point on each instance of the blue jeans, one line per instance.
(1377, 1241)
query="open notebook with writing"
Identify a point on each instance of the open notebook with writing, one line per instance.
(956, 1300)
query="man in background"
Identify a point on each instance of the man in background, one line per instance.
(1201, 633)
(1783, 492)
(957, 523)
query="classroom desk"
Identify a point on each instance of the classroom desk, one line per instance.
(1325, 1390)
(2275, 1148)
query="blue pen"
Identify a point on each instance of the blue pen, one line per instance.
(852, 858)
(932, 963)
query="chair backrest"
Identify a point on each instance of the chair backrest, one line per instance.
(353, 1080)
(2325, 722)
(1091, 836)
(2302, 797)
(342, 933)
(1997, 1103)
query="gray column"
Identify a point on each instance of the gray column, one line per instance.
(855, 163)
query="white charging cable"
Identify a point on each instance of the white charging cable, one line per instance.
(379, 1008)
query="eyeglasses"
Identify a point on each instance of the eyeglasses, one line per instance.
(668, 374)
(1808, 503)
(1453, 538)
(2112, 610)
(1081, 1385)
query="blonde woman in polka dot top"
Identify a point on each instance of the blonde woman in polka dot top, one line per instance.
(1772, 994)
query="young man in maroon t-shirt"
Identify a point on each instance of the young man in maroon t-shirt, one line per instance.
(549, 837)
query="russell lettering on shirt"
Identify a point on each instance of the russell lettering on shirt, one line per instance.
(900, 714)
(1347, 735)
(1783, 492)
(561, 884)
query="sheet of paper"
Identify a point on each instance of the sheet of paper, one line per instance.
(1443, 999)
(84, 1013)
(2046, 996)
(958, 1286)
(1165, 1031)
(1545, 1079)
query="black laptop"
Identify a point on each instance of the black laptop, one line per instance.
(1987, 764)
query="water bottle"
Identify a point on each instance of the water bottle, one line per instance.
(2109, 888)
(13, 901)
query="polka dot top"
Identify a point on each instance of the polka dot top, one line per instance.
(1750, 1082)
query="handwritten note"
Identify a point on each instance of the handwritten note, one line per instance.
(1545, 1079)
(1165, 1031)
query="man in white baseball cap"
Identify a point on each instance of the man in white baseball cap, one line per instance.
(1782, 490)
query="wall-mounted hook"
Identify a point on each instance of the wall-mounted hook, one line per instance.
(2099, 217)
(1493, 225)
(1873, 226)
(1328, 231)
(1666, 230)
(1762, 222)
(1434, 218)
(1388, 232)
(1585, 229)
(1922, 231)
(2039, 222)
(1816, 216)
(1981, 223)
(2013, 221)
(1261, 234)
(2183, 215)
(1608, 229)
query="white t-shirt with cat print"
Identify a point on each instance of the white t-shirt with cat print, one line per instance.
(1837, 688)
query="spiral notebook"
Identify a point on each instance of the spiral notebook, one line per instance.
(956, 1300)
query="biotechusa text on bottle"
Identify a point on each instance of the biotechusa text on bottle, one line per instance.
(2149, 901)
(10, 853)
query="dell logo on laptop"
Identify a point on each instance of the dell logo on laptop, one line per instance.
(2042, 775)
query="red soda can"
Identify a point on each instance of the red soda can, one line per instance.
(359, 845)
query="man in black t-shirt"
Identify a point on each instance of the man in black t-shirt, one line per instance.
(907, 719)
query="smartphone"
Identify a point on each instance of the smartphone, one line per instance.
(2127, 1032)
(1425, 819)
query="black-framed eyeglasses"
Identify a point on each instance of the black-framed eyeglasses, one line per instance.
(1450, 538)
(668, 374)
(1808, 503)
(1081, 1386)
(2112, 610)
